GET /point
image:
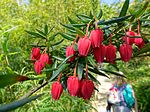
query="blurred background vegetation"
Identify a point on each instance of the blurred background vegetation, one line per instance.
(17, 16)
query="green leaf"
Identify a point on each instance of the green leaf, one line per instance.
(98, 72)
(71, 21)
(61, 67)
(145, 49)
(93, 78)
(78, 25)
(58, 71)
(92, 61)
(124, 8)
(51, 38)
(112, 72)
(139, 12)
(68, 26)
(58, 58)
(99, 15)
(80, 69)
(40, 32)
(57, 43)
(68, 37)
(10, 79)
(18, 103)
(35, 35)
(114, 20)
(80, 32)
(46, 29)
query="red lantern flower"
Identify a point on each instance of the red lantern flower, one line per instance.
(99, 53)
(128, 40)
(70, 51)
(84, 45)
(110, 53)
(45, 59)
(125, 52)
(73, 85)
(56, 90)
(35, 54)
(96, 37)
(130, 33)
(139, 42)
(87, 88)
(38, 66)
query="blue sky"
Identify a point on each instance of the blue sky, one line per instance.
(109, 1)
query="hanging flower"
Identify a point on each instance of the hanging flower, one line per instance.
(87, 88)
(84, 45)
(130, 33)
(73, 85)
(70, 51)
(35, 53)
(38, 66)
(45, 59)
(96, 37)
(56, 90)
(125, 52)
(128, 40)
(99, 53)
(110, 53)
(139, 42)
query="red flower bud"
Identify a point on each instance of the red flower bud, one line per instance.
(96, 37)
(38, 66)
(35, 54)
(110, 53)
(84, 45)
(70, 51)
(99, 53)
(56, 90)
(87, 88)
(139, 42)
(128, 40)
(130, 33)
(125, 52)
(73, 85)
(45, 59)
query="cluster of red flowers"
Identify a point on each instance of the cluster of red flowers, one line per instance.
(81, 88)
(100, 51)
(40, 59)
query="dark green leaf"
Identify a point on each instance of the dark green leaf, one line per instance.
(51, 29)
(116, 20)
(93, 78)
(80, 32)
(10, 79)
(78, 25)
(58, 58)
(92, 61)
(18, 103)
(46, 29)
(51, 38)
(61, 67)
(35, 35)
(99, 15)
(57, 43)
(72, 21)
(139, 12)
(40, 32)
(112, 72)
(68, 26)
(145, 49)
(80, 70)
(97, 72)
(68, 37)
(124, 8)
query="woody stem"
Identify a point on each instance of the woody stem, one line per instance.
(86, 71)
(87, 29)
(110, 39)
(59, 77)
(77, 36)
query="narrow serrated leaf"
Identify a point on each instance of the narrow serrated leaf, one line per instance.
(68, 37)
(46, 29)
(57, 43)
(99, 15)
(124, 8)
